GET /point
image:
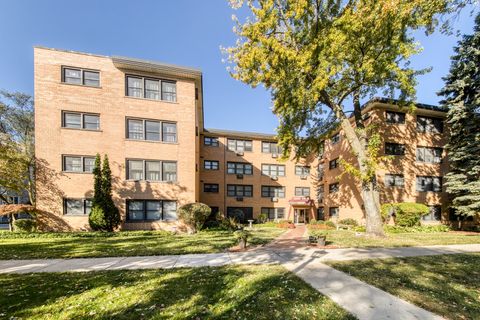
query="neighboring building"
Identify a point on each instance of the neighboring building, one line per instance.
(148, 118)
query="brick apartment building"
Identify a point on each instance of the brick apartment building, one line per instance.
(148, 118)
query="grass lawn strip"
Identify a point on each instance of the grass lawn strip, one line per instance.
(448, 285)
(229, 292)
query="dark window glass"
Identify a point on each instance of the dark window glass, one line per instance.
(239, 168)
(394, 149)
(335, 139)
(429, 183)
(395, 117)
(77, 206)
(429, 125)
(394, 180)
(210, 187)
(239, 190)
(333, 212)
(273, 191)
(151, 210)
(333, 164)
(274, 213)
(435, 214)
(334, 187)
(210, 141)
(210, 165)
(429, 154)
(91, 78)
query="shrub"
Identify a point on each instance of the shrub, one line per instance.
(319, 233)
(359, 229)
(262, 218)
(286, 224)
(407, 214)
(194, 215)
(330, 224)
(25, 225)
(417, 229)
(320, 227)
(348, 222)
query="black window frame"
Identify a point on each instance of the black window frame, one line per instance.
(240, 168)
(396, 178)
(333, 212)
(211, 187)
(393, 118)
(335, 139)
(213, 141)
(425, 124)
(161, 132)
(82, 120)
(435, 213)
(240, 190)
(333, 187)
(272, 191)
(145, 210)
(211, 162)
(394, 149)
(82, 76)
(428, 184)
(333, 164)
(273, 211)
(421, 152)
(143, 88)
(144, 168)
(82, 161)
(85, 207)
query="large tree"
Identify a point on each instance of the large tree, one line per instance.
(320, 58)
(462, 98)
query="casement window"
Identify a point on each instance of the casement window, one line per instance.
(302, 191)
(394, 180)
(210, 141)
(302, 171)
(273, 192)
(333, 212)
(273, 170)
(79, 120)
(429, 154)
(210, 165)
(239, 190)
(271, 147)
(239, 168)
(210, 187)
(395, 117)
(320, 193)
(90, 78)
(151, 210)
(239, 145)
(394, 149)
(77, 207)
(151, 130)
(151, 170)
(333, 164)
(429, 183)
(333, 187)
(429, 124)
(150, 88)
(335, 138)
(274, 213)
(78, 164)
(435, 214)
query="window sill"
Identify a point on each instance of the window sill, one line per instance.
(152, 141)
(153, 100)
(79, 129)
(77, 172)
(80, 85)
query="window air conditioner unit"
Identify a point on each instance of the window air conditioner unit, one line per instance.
(274, 155)
(239, 198)
(274, 178)
(239, 176)
(274, 199)
(239, 153)
(303, 177)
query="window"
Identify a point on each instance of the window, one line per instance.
(241, 214)
(239, 145)
(302, 192)
(210, 187)
(320, 193)
(77, 206)
(435, 214)
(210, 165)
(321, 213)
(395, 117)
(239, 190)
(333, 212)
(78, 120)
(271, 147)
(274, 213)
(429, 125)
(394, 180)
(429, 183)
(151, 210)
(210, 141)
(239, 168)
(302, 170)
(334, 187)
(429, 154)
(78, 76)
(149, 88)
(333, 164)
(78, 164)
(151, 170)
(335, 139)
(273, 170)
(394, 149)
(321, 171)
(151, 130)
(273, 191)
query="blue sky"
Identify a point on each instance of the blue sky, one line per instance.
(184, 32)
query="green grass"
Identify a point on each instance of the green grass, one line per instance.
(448, 285)
(92, 244)
(230, 292)
(347, 239)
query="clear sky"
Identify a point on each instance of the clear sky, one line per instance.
(184, 32)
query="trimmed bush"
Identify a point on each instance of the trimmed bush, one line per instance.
(194, 215)
(407, 214)
(262, 218)
(330, 224)
(25, 225)
(348, 222)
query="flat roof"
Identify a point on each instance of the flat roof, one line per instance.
(240, 134)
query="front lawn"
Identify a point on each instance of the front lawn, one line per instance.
(229, 292)
(448, 285)
(135, 243)
(348, 239)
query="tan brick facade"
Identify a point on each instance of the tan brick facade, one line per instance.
(110, 101)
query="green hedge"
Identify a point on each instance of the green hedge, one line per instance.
(407, 214)
(25, 225)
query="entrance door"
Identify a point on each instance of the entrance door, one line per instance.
(300, 215)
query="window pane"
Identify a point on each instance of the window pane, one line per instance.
(154, 210)
(73, 206)
(169, 91)
(91, 122)
(152, 170)
(135, 129)
(135, 210)
(231, 145)
(88, 206)
(169, 210)
(169, 171)
(248, 169)
(135, 169)
(72, 76)
(152, 130)
(88, 164)
(248, 145)
(169, 131)
(152, 89)
(266, 147)
(73, 164)
(72, 120)
(91, 78)
(134, 87)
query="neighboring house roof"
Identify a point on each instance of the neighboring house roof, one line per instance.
(239, 134)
